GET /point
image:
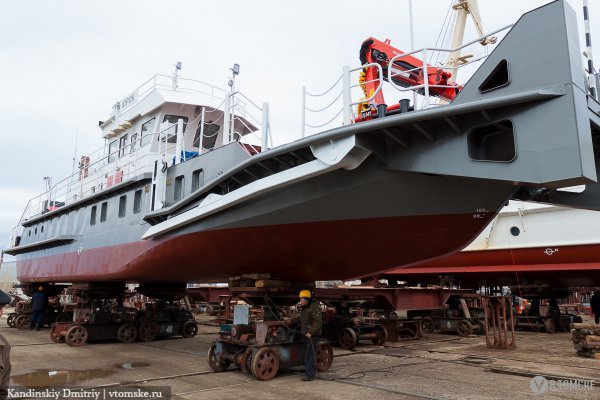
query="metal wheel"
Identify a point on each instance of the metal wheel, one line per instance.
(246, 361)
(427, 325)
(265, 364)
(22, 321)
(214, 360)
(464, 328)
(190, 329)
(55, 335)
(382, 336)
(147, 331)
(550, 326)
(347, 338)
(324, 356)
(10, 320)
(76, 335)
(127, 333)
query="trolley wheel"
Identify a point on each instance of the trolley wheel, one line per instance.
(246, 361)
(427, 325)
(213, 360)
(347, 338)
(550, 326)
(64, 317)
(127, 333)
(464, 328)
(190, 329)
(22, 321)
(382, 336)
(55, 335)
(147, 332)
(324, 356)
(10, 320)
(76, 335)
(265, 364)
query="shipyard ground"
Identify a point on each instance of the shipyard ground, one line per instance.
(434, 367)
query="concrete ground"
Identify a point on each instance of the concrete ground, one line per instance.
(434, 367)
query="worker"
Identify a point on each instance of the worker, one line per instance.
(595, 305)
(311, 326)
(39, 301)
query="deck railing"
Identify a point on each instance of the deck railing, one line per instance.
(339, 108)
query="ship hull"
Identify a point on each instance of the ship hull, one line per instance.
(343, 225)
(562, 265)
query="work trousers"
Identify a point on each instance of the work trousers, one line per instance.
(37, 319)
(310, 350)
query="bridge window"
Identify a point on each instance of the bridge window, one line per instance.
(122, 145)
(492, 142)
(133, 143)
(146, 132)
(112, 151)
(209, 136)
(171, 121)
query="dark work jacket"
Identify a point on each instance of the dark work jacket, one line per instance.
(4, 298)
(39, 301)
(311, 319)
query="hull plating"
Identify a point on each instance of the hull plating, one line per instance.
(299, 252)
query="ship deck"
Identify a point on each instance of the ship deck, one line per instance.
(434, 367)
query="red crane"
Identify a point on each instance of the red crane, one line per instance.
(407, 71)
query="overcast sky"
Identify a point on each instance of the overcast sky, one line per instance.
(63, 64)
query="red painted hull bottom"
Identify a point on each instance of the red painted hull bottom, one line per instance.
(565, 266)
(298, 252)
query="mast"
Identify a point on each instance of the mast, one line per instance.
(464, 8)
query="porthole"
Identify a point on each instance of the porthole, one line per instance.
(515, 231)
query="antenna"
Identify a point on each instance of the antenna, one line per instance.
(176, 74)
(48, 181)
(231, 83)
(235, 71)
